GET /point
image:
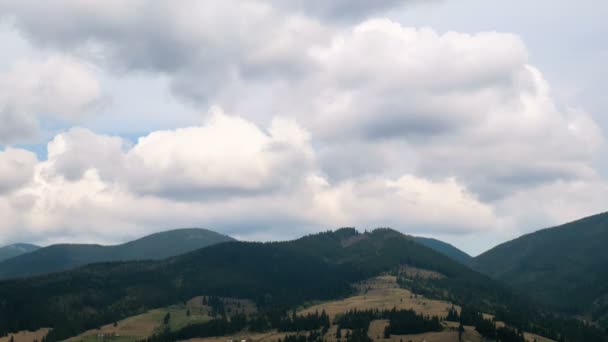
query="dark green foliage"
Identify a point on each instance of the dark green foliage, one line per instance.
(469, 316)
(68, 256)
(217, 306)
(445, 248)
(401, 322)
(216, 327)
(303, 323)
(460, 331)
(452, 315)
(359, 335)
(14, 250)
(83, 299)
(506, 334)
(486, 328)
(312, 337)
(564, 267)
(314, 324)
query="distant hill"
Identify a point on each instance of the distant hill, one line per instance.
(62, 257)
(565, 266)
(17, 249)
(277, 276)
(445, 248)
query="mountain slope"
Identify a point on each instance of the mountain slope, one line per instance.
(67, 256)
(445, 248)
(565, 266)
(14, 250)
(274, 275)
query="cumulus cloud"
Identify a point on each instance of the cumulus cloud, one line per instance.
(58, 87)
(226, 156)
(220, 174)
(16, 168)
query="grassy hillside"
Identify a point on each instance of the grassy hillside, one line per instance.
(445, 248)
(277, 276)
(14, 250)
(565, 266)
(68, 256)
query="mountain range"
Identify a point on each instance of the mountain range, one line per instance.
(537, 282)
(62, 257)
(16, 249)
(276, 276)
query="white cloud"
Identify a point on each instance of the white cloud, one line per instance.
(218, 175)
(16, 168)
(410, 203)
(225, 156)
(58, 87)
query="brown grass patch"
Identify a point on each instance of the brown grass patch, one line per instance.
(269, 337)
(383, 293)
(26, 336)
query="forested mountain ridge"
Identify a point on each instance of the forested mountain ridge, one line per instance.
(62, 257)
(445, 248)
(565, 266)
(279, 275)
(16, 249)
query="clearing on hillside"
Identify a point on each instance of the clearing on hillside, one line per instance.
(26, 336)
(383, 293)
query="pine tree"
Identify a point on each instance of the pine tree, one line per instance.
(460, 331)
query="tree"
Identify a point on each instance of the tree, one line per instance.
(452, 315)
(12, 339)
(339, 333)
(460, 331)
(167, 318)
(188, 312)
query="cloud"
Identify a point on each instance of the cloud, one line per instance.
(343, 9)
(226, 156)
(218, 175)
(446, 131)
(58, 87)
(16, 168)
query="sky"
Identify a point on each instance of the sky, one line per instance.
(471, 121)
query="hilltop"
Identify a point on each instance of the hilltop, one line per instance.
(63, 257)
(565, 267)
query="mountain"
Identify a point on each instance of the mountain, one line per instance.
(14, 250)
(277, 276)
(445, 248)
(62, 257)
(565, 266)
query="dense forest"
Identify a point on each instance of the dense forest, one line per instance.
(277, 276)
(563, 267)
